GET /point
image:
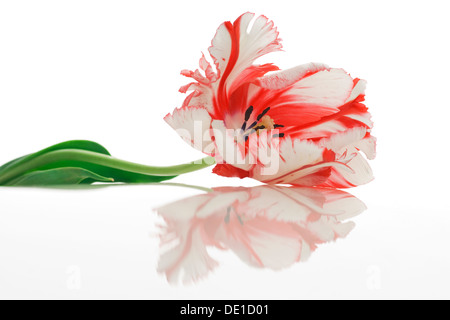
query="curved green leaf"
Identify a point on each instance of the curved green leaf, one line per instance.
(59, 176)
(11, 163)
(80, 161)
(119, 175)
(73, 144)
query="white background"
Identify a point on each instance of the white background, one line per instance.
(108, 71)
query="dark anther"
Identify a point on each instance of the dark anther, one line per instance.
(263, 113)
(253, 124)
(240, 219)
(278, 126)
(259, 128)
(248, 113)
(281, 135)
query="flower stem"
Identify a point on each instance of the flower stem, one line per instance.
(67, 157)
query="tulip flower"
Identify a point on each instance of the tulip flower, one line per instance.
(269, 227)
(302, 126)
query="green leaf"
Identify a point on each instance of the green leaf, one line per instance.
(119, 175)
(80, 161)
(73, 144)
(59, 176)
(11, 163)
(76, 144)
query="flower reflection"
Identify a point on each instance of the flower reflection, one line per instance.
(266, 227)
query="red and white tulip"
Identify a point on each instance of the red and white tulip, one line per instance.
(302, 126)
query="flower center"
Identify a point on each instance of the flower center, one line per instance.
(266, 123)
(262, 122)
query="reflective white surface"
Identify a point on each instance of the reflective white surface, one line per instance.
(104, 243)
(266, 226)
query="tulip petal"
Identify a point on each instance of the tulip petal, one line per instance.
(228, 150)
(340, 141)
(345, 144)
(360, 173)
(227, 170)
(351, 115)
(358, 89)
(188, 261)
(312, 98)
(193, 125)
(236, 46)
(368, 146)
(260, 244)
(300, 163)
(283, 79)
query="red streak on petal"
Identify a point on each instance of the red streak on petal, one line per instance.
(342, 112)
(327, 156)
(336, 180)
(187, 247)
(227, 170)
(222, 99)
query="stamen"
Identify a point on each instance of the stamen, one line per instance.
(263, 113)
(263, 122)
(253, 124)
(227, 217)
(248, 113)
(247, 135)
(240, 219)
(259, 128)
